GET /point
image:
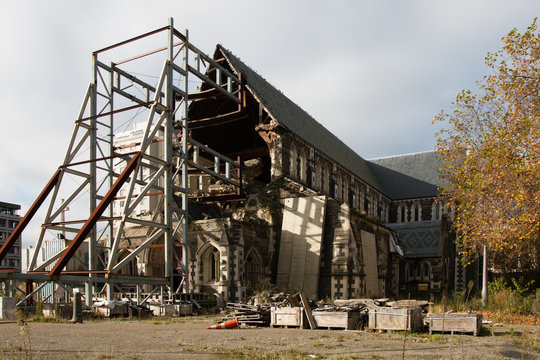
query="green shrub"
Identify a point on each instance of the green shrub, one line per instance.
(520, 298)
(523, 287)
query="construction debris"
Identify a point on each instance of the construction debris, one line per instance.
(249, 314)
(286, 310)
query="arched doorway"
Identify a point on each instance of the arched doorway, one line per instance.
(253, 275)
(209, 262)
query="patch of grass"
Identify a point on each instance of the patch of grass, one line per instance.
(256, 353)
(105, 356)
(42, 319)
(189, 349)
(437, 338)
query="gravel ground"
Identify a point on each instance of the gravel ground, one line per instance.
(187, 338)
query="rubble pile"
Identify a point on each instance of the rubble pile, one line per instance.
(295, 310)
(249, 314)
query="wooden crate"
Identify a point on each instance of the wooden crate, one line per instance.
(171, 309)
(58, 310)
(287, 316)
(119, 309)
(347, 320)
(409, 319)
(454, 322)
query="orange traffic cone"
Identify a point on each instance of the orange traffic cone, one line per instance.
(231, 324)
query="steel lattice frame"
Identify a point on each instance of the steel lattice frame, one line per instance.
(91, 158)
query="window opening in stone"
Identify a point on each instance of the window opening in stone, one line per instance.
(426, 271)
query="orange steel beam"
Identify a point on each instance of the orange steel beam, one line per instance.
(131, 40)
(155, 246)
(146, 104)
(94, 217)
(218, 119)
(98, 160)
(28, 216)
(71, 222)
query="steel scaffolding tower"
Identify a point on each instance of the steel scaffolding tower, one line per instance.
(156, 166)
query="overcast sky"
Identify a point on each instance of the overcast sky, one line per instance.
(375, 73)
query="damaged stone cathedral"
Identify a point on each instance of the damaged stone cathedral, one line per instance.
(312, 215)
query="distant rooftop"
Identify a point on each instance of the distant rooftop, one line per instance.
(408, 176)
(6, 205)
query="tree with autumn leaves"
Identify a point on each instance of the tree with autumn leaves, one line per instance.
(491, 156)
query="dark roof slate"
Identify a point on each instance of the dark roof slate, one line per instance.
(10, 205)
(408, 176)
(292, 117)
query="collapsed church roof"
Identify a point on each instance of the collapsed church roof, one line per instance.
(295, 119)
(408, 176)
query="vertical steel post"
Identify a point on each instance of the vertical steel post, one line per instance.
(110, 237)
(169, 103)
(93, 180)
(184, 172)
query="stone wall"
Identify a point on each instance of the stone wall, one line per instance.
(343, 265)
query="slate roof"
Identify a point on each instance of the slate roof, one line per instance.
(408, 176)
(292, 117)
(419, 240)
(10, 205)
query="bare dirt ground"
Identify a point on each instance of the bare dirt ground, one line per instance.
(187, 338)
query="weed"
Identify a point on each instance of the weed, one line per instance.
(189, 349)
(24, 330)
(507, 300)
(45, 320)
(523, 288)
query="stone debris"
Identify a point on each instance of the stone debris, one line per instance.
(257, 310)
(350, 314)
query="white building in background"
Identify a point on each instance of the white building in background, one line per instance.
(128, 142)
(50, 248)
(9, 218)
